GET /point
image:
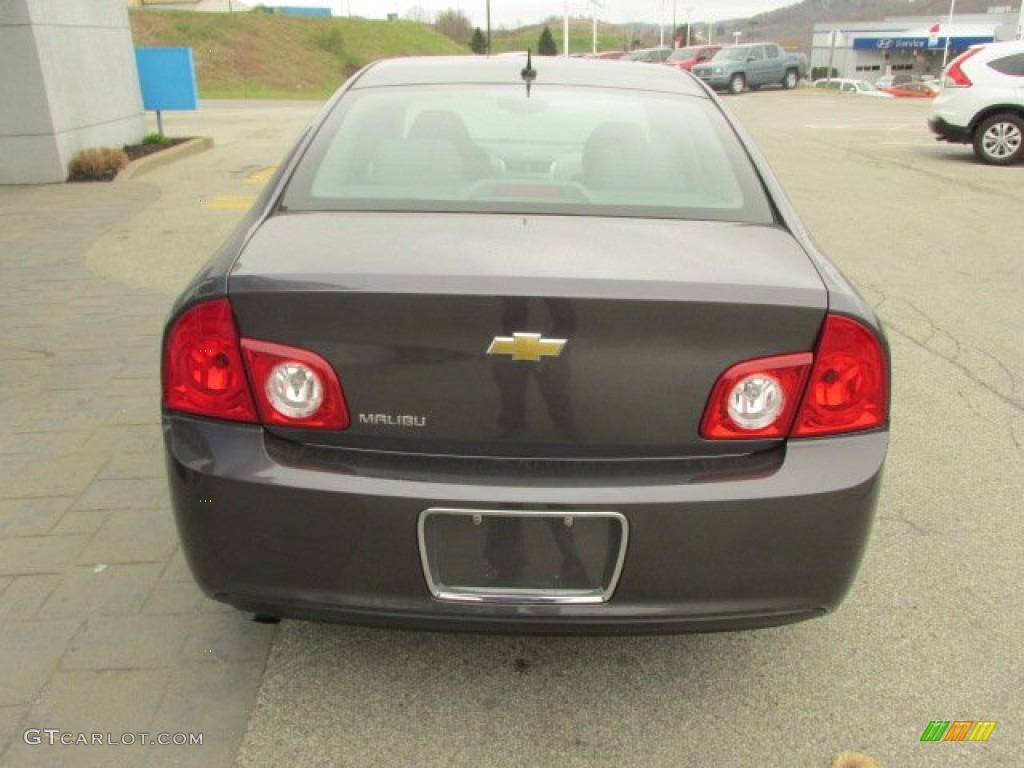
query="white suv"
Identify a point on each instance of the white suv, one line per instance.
(982, 102)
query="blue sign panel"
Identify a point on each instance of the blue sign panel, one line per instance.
(167, 77)
(889, 43)
(914, 43)
(288, 10)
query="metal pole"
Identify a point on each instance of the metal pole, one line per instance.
(661, 25)
(565, 29)
(593, 28)
(673, 23)
(831, 56)
(488, 27)
(945, 49)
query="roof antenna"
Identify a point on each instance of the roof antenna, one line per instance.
(529, 74)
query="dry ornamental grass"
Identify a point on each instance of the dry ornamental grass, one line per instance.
(99, 164)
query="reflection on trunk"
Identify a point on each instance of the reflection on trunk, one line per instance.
(551, 374)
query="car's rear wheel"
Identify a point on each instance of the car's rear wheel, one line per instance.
(737, 83)
(790, 80)
(999, 140)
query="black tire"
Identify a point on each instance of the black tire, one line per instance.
(999, 140)
(737, 83)
(790, 80)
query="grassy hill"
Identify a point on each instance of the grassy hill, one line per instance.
(257, 55)
(610, 37)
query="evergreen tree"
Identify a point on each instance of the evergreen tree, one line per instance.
(546, 45)
(478, 44)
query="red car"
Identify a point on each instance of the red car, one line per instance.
(687, 58)
(915, 90)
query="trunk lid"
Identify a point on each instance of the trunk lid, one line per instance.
(406, 308)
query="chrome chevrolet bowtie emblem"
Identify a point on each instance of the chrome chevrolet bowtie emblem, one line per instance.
(526, 346)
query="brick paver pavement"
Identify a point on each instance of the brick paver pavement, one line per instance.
(102, 630)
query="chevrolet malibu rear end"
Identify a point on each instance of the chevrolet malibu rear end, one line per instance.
(530, 347)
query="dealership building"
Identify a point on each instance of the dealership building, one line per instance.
(866, 50)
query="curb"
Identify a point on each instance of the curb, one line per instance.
(157, 159)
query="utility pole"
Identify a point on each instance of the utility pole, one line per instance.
(832, 55)
(661, 25)
(673, 23)
(949, 32)
(594, 5)
(565, 29)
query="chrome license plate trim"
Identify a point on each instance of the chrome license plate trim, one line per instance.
(520, 596)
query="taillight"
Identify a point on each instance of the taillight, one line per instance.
(203, 371)
(756, 398)
(841, 387)
(208, 367)
(295, 387)
(955, 77)
(848, 390)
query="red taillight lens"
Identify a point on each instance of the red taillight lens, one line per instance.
(203, 371)
(295, 387)
(756, 399)
(848, 390)
(842, 387)
(955, 76)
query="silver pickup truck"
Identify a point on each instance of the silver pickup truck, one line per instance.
(751, 65)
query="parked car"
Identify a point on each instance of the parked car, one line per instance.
(687, 58)
(648, 55)
(888, 81)
(752, 65)
(850, 85)
(914, 90)
(421, 387)
(982, 102)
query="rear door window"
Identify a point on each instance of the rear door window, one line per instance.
(1009, 65)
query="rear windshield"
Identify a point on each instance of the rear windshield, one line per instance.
(560, 150)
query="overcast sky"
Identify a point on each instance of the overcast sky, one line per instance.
(513, 13)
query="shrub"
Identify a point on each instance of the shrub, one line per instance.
(155, 138)
(99, 164)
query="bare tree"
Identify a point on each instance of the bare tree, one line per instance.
(418, 13)
(454, 25)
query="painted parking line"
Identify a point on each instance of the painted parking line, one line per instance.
(230, 202)
(241, 202)
(261, 176)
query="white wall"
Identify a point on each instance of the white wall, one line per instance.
(68, 82)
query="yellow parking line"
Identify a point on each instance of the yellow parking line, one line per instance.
(230, 202)
(261, 176)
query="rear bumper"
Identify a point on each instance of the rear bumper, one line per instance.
(290, 538)
(945, 131)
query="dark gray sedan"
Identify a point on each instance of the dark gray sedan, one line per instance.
(524, 346)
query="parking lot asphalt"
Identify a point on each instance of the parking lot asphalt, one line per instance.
(103, 631)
